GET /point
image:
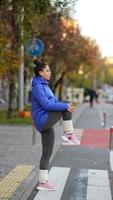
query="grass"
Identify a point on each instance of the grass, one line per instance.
(16, 120)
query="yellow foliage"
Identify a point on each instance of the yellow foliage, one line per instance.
(110, 71)
(9, 61)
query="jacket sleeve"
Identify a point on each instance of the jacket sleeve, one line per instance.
(48, 104)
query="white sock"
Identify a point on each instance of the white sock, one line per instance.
(43, 176)
(68, 126)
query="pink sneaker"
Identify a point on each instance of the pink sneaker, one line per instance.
(70, 139)
(45, 186)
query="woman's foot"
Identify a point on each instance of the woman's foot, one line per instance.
(45, 186)
(70, 139)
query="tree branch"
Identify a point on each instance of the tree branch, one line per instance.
(59, 80)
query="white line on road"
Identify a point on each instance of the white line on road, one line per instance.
(78, 133)
(58, 176)
(98, 185)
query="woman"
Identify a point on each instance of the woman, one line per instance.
(46, 111)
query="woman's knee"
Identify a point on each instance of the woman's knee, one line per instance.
(67, 115)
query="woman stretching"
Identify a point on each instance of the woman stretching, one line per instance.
(46, 111)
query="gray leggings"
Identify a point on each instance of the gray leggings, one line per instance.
(47, 136)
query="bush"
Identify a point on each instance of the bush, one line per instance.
(16, 120)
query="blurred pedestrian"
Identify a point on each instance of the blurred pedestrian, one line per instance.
(92, 95)
(46, 111)
(97, 93)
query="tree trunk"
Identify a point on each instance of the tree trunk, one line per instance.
(59, 81)
(12, 96)
(61, 90)
(53, 66)
(10, 35)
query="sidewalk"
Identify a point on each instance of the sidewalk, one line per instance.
(18, 154)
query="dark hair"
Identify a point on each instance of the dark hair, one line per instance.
(38, 66)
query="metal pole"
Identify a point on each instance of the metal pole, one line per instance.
(21, 71)
(104, 119)
(33, 135)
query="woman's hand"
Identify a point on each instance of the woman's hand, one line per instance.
(70, 107)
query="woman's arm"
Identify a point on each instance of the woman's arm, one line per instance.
(46, 103)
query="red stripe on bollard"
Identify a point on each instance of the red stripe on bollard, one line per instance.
(111, 138)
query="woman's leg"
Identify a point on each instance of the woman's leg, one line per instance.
(47, 137)
(69, 135)
(48, 142)
(53, 118)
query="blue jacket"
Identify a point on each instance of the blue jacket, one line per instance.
(43, 101)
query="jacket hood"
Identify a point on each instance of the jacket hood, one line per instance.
(38, 79)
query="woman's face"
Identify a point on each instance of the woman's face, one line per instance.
(46, 73)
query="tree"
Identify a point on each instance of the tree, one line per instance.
(89, 57)
(105, 72)
(65, 47)
(11, 13)
(58, 41)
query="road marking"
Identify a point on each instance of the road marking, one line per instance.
(79, 133)
(58, 176)
(111, 160)
(12, 181)
(95, 138)
(98, 185)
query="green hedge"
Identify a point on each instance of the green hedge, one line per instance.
(16, 120)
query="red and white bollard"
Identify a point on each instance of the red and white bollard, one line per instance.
(103, 121)
(111, 138)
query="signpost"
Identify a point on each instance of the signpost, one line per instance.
(35, 48)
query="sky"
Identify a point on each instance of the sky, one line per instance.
(95, 18)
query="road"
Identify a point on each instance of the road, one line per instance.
(81, 172)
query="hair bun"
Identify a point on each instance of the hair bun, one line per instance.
(36, 62)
